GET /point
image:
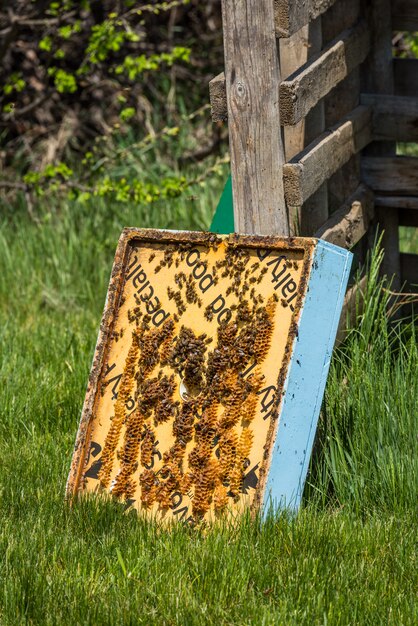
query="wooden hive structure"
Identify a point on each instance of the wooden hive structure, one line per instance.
(344, 103)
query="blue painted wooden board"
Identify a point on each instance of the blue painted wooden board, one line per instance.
(305, 384)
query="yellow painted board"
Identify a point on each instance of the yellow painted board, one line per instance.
(189, 371)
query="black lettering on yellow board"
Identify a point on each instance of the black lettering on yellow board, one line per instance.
(145, 293)
(275, 263)
(181, 512)
(94, 451)
(199, 271)
(115, 380)
(281, 278)
(132, 264)
(250, 480)
(268, 396)
(155, 452)
(262, 254)
(219, 308)
(249, 370)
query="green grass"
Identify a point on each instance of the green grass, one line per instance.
(349, 557)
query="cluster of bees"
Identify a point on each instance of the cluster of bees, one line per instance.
(211, 427)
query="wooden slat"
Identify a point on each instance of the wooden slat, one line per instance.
(303, 89)
(308, 170)
(397, 202)
(405, 72)
(347, 226)
(291, 15)
(394, 176)
(217, 94)
(395, 118)
(353, 306)
(252, 84)
(409, 268)
(405, 15)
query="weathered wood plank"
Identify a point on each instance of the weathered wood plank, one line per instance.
(392, 176)
(405, 72)
(302, 90)
(252, 83)
(353, 306)
(217, 95)
(291, 15)
(395, 118)
(405, 15)
(409, 268)
(347, 226)
(398, 202)
(308, 170)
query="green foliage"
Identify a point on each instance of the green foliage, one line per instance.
(98, 53)
(63, 81)
(14, 83)
(134, 66)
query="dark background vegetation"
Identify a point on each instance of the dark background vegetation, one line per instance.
(72, 72)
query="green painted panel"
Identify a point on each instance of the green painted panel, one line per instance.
(223, 220)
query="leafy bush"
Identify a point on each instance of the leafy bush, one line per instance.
(80, 79)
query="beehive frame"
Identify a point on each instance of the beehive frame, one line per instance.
(190, 373)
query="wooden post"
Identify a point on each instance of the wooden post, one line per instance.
(252, 84)
(378, 79)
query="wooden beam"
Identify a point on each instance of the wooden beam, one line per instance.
(347, 226)
(395, 118)
(308, 170)
(405, 15)
(397, 202)
(291, 15)
(405, 73)
(409, 268)
(302, 90)
(252, 84)
(393, 176)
